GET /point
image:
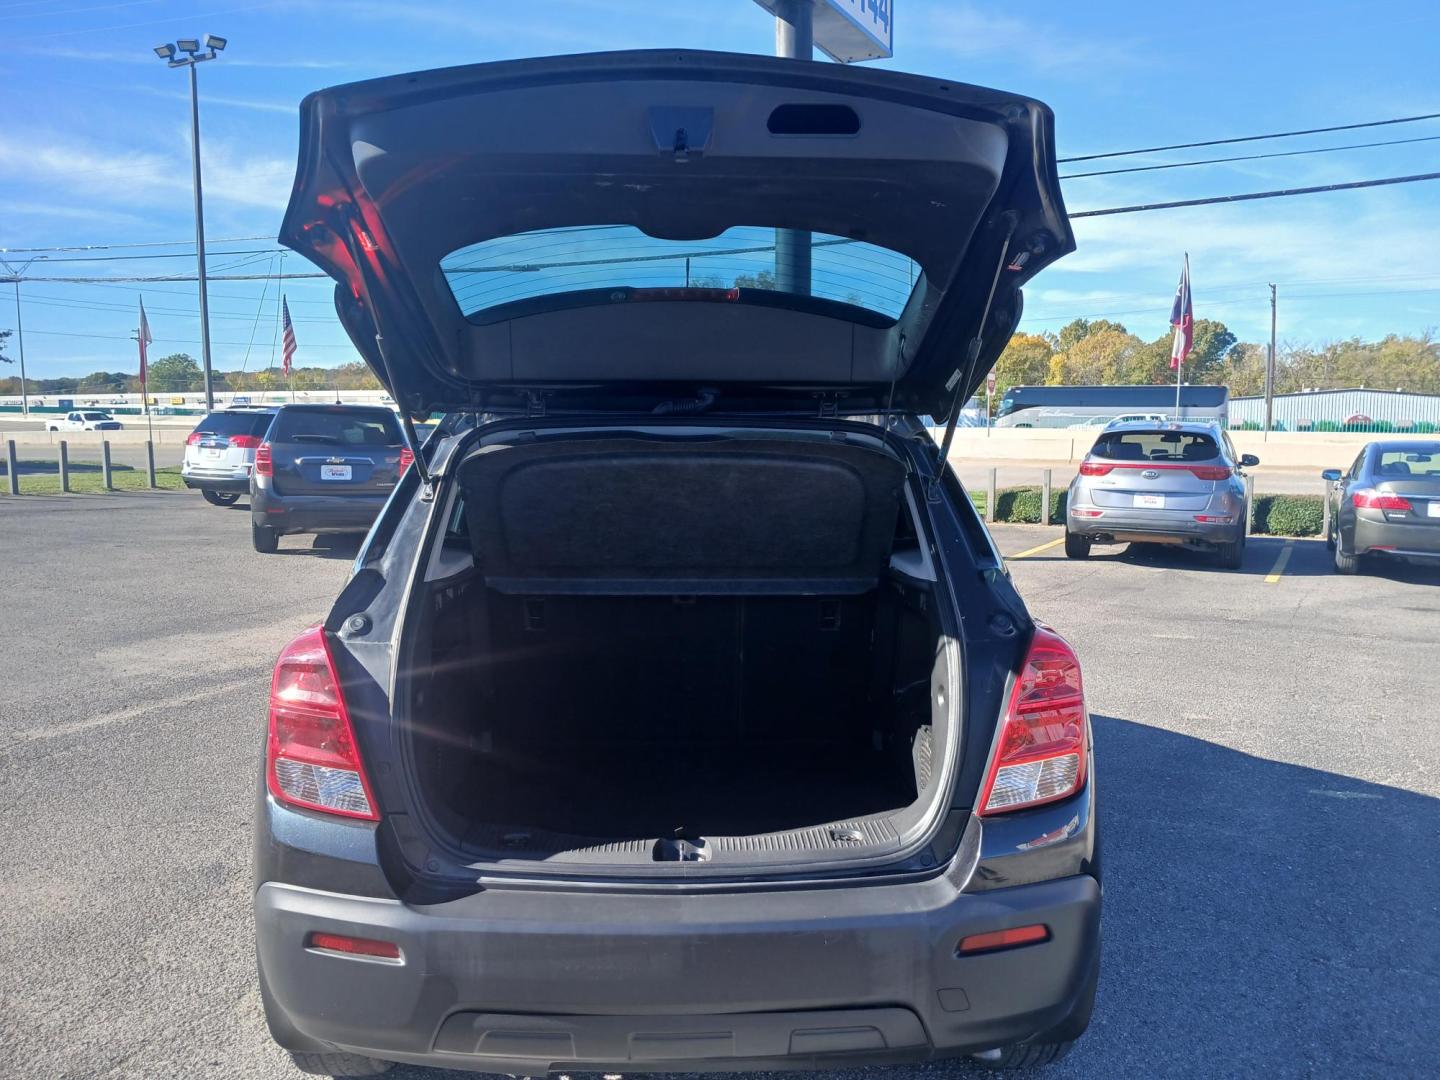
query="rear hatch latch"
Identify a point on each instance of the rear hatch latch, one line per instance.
(680, 848)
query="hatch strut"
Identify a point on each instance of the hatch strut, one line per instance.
(421, 468)
(972, 356)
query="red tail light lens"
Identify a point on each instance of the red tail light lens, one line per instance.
(312, 760)
(264, 463)
(1211, 472)
(1369, 499)
(407, 458)
(1040, 753)
(356, 946)
(1004, 939)
(245, 442)
(1090, 468)
(193, 438)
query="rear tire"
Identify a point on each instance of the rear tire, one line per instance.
(265, 539)
(1025, 1055)
(219, 498)
(338, 1064)
(1345, 563)
(1232, 555)
(1076, 547)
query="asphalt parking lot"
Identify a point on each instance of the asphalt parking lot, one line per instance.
(1268, 749)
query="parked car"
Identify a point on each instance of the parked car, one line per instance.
(84, 420)
(220, 453)
(1172, 483)
(324, 469)
(1386, 505)
(679, 713)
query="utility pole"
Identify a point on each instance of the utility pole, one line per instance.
(1270, 367)
(794, 40)
(15, 276)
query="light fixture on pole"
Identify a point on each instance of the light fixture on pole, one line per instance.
(197, 52)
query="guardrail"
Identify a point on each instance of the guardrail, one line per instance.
(64, 468)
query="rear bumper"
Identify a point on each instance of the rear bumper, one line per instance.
(314, 513)
(527, 981)
(229, 480)
(1176, 526)
(1397, 538)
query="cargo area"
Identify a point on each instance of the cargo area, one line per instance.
(720, 691)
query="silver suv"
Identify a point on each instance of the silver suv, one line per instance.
(1175, 483)
(220, 453)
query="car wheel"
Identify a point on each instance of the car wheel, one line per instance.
(1076, 547)
(339, 1064)
(265, 539)
(1345, 563)
(220, 498)
(1232, 555)
(1024, 1055)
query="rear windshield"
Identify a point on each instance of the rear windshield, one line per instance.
(1156, 446)
(1421, 461)
(227, 424)
(549, 262)
(372, 427)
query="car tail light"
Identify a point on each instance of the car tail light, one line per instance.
(1039, 755)
(1211, 472)
(407, 458)
(193, 438)
(1004, 939)
(312, 759)
(356, 946)
(245, 442)
(1369, 499)
(1077, 512)
(1090, 468)
(264, 463)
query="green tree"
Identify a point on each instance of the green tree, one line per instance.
(1077, 330)
(174, 373)
(761, 279)
(1100, 357)
(4, 337)
(1025, 362)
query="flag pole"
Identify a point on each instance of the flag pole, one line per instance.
(1180, 364)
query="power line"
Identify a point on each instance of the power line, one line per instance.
(1252, 195)
(1248, 138)
(1248, 157)
(148, 244)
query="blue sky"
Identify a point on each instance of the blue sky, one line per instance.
(94, 146)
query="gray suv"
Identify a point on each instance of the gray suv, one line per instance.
(679, 714)
(1160, 483)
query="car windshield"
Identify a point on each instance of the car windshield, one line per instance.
(370, 427)
(226, 424)
(1421, 460)
(1156, 446)
(549, 262)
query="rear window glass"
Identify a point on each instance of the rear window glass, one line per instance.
(227, 424)
(1411, 461)
(549, 262)
(369, 428)
(1156, 446)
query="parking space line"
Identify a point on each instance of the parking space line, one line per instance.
(1036, 550)
(1279, 568)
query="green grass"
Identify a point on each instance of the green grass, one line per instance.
(43, 478)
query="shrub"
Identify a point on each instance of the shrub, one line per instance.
(1325, 425)
(1424, 427)
(1289, 515)
(1249, 425)
(1022, 505)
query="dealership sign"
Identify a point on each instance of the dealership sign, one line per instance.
(851, 30)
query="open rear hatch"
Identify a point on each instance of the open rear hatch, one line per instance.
(603, 228)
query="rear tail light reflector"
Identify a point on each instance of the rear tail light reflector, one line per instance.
(356, 946)
(1004, 939)
(1368, 499)
(312, 760)
(1216, 519)
(407, 458)
(264, 462)
(1090, 468)
(245, 442)
(1040, 750)
(1077, 512)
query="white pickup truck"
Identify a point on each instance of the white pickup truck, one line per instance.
(84, 420)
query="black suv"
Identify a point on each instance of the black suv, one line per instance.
(324, 469)
(679, 713)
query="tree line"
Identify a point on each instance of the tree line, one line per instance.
(179, 373)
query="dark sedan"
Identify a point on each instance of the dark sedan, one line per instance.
(1387, 504)
(324, 469)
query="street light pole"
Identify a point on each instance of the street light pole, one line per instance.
(794, 40)
(1270, 368)
(194, 55)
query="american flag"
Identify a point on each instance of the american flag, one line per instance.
(142, 335)
(287, 336)
(1182, 318)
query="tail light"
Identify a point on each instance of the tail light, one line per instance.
(1040, 753)
(407, 458)
(264, 463)
(312, 759)
(1211, 472)
(245, 442)
(193, 438)
(1370, 499)
(1090, 468)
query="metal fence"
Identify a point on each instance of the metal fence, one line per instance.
(1375, 411)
